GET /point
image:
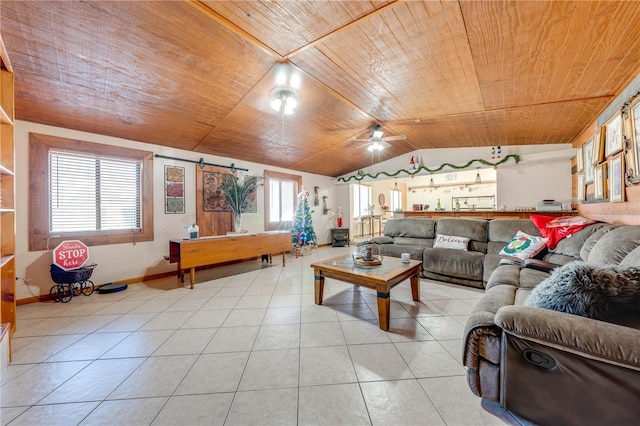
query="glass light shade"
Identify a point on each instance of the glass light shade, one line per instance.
(289, 104)
(375, 146)
(378, 134)
(478, 178)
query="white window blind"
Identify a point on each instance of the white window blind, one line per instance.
(93, 192)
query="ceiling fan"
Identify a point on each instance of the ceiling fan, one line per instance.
(377, 141)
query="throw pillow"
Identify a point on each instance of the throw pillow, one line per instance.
(524, 246)
(557, 228)
(451, 242)
(585, 289)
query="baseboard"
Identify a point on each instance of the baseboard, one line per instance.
(45, 297)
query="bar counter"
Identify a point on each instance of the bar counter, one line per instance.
(481, 214)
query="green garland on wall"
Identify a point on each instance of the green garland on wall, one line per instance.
(359, 177)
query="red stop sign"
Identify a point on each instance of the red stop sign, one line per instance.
(70, 254)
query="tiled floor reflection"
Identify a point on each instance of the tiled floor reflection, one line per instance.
(246, 346)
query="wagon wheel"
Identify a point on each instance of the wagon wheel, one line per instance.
(75, 288)
(65, 292)
(87, 287)
(55, 293)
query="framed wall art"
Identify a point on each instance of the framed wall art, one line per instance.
(581, 187)
(588, 163)
(635, 137)
(579, 158)
(600, 173)
(616, 178)
(173, 189)
(613, 139)
(598, 145)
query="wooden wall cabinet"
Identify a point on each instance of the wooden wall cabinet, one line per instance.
(7, 201)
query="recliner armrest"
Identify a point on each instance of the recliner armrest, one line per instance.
(540, 265)
(607, 342)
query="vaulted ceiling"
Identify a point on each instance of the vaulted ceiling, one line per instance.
(197, 75)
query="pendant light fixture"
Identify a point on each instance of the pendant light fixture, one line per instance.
(478, 178)
(285, 99)
(431, 182)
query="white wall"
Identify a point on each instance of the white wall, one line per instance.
(538, 177)
(128, 261)
(544, 172)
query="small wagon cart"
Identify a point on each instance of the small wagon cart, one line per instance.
(71, 283)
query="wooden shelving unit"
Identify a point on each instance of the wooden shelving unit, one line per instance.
(7, 202)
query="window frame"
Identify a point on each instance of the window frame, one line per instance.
(39, 201)
(393, 194)
(356, 190)
(268, 175)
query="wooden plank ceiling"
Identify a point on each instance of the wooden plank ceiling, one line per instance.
(198, 75)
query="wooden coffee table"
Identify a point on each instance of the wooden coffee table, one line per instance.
(381, 278)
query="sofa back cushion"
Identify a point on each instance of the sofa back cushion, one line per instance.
(474, 229)
(633, 258)
(588, 245)
(501, 231)
(571, 246)
(615, 245)
(411, 228)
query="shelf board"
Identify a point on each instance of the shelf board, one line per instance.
(5, 171)
(4, 117)
(5, 259)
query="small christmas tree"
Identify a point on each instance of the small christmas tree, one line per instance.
(302, 235)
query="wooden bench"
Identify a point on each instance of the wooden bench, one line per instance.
(190, 254)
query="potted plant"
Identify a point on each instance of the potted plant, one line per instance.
(238, 192)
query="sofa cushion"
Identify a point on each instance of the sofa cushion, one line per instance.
(474, 229)
(395, 250)
(383, 239)
(589, 290)
(451, 242)
(633, 258)
(572, 245)
(503, 230)
(524, 246)
(413, 228)
(615, 245)
(558, 228)
(593, 239)
(454, 263)
(409, 241)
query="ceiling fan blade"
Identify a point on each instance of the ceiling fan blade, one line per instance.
(396, 138)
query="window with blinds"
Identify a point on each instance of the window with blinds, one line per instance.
(97, 193)
(93, 192)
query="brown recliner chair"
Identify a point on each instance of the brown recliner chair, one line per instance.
(536, 366)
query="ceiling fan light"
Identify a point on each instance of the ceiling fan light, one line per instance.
(378, 134)
(290, 103)
(285, 99)
(375, 146)
(275, 104)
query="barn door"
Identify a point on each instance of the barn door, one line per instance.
(213, 215)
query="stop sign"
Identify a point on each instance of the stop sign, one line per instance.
(70, 254)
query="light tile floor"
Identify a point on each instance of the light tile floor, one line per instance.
(247, 346)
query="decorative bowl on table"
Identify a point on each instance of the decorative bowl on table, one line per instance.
(367, 254)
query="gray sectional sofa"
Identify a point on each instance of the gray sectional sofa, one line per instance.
(536, 365)
(472, 267)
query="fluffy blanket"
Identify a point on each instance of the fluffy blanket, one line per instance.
(588, 290)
